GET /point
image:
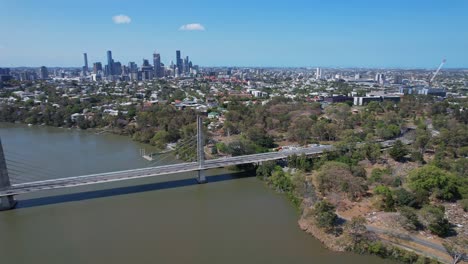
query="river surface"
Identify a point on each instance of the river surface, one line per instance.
(234, 218)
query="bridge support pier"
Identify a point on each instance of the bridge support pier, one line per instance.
(201, 178)
(7, 203)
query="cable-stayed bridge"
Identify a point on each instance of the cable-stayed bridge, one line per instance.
(16, 180)
(22, 188)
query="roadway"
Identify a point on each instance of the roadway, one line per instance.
(22, 188)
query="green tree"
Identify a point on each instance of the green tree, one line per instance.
(387, 202)
(281, 180)
(371, 151)
(325, 216)
(300, 130)
(265, 169)
(409, 219)
(435, 181)
(260, 137)
(398, 151)
(422, 140)
(434, 219)
(464, 204)
(160, 139)
(405, 198)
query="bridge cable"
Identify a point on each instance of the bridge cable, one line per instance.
(184, 145)
(24, 176)
(20, 158)
(26, 170)
(161, 160)
(15, 180)
(31, 167)
(188, 146)
(187, 149)
(20, 173)
(21, 176)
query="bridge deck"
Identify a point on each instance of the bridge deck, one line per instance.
(153, 171)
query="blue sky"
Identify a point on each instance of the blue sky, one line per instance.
(332, 33)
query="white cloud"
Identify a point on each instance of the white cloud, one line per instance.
(192, 27)
(121, 19)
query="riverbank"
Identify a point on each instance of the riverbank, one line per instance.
(329, 241)
(412, 245)
(351, 234)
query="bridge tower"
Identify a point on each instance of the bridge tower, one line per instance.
(200, 151)
(7, 202)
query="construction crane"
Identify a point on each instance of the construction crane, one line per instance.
(438, 70)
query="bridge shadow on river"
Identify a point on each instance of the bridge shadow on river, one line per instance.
(80, 196)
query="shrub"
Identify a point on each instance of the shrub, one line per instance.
(434, 219)
(398, 151)
(337, 177)
(464, 204)
(405, 198)
(410, 219)
(387, 202)
(325, 216)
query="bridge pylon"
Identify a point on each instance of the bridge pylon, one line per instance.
(7, 202)
(200, 151)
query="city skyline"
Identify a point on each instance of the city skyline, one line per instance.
(294, 34)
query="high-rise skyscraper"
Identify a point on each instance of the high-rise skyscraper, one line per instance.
(186, 65)
(85, 56)
(380, 78)
(133, 67)
(44, 73)
(157, 65)
(178, 62)
(318, 74)
(146, 71)
(110, 63)
(97, 67)
(117, 68)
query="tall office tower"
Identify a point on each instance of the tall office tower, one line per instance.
(146, 71)
(157, 65)
(133, 67)
(97, 67)
(85, 61)
(380, 78)
(186, 65)
(318, 74)
(106, 70)
(398, 79)
(43, 73)
(178, 62)
(110, 63)
(117, 70)
(125, 70)
(5, 75)
(4, 71)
